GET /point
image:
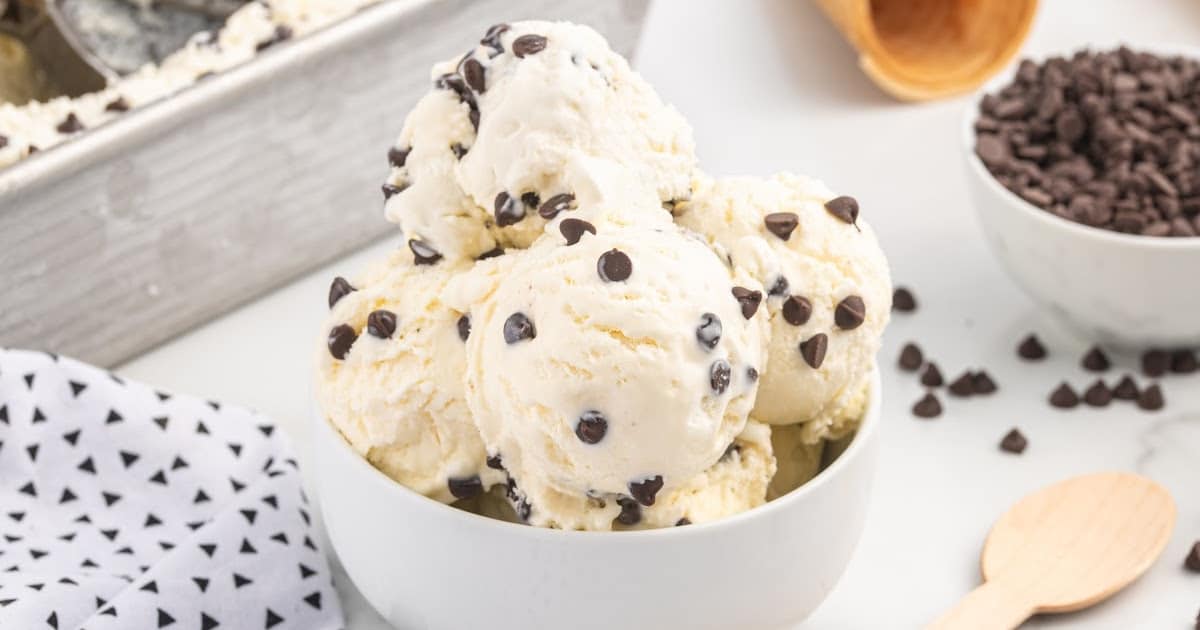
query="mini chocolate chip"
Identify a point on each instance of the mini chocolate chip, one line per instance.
(683, 521)
(465, 488)
(556, 204)
(518, 327)
(932, 377)
(813, 350)
(381, 324)
(341, 337)
(3, 141)
(526, 45)
(844, 208)
(719, 376)
(645, 490)
(508, 211)
(1014, 442)
(1155, 363)
(391, 190)
(474, 74)
(796, 310)
(779, 287)
(982, 383)
(1064, 397)
(492, 38)
(282, 33)
(708, 333)
(1151, 398)
(423, 254)
(339, 289)
(631, 512)
(464, 327)
(1126, 389)
(1095, 360)
(473, 116)
(70, 124)
(964, 385)
(491, 253)
(531, 200)
(751, 374)
(573, 229)
(903, 300)
(1183, 362)
(1192, 561)
(495, 462)
(748, 299)
(397, 156)
(591, 427)
(781, 224)
(118, 105)
(614, 266)
(1031, 349)
(928, 407)
(911, 358)
(850, 313)
(1098, 395)
(455, 83)
(459, 150)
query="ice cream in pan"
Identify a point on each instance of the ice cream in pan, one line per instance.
(584, 331)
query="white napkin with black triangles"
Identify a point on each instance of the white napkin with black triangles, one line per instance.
(125, 507)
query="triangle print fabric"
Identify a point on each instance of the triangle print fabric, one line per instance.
(124, 507)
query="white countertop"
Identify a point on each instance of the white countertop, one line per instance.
(770, 86)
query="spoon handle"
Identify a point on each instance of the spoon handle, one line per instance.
(994, 605)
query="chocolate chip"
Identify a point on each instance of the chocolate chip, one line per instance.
(473, 117)
(1064, 397)
(495, 462)
(982, 383)
(928, 407)
(459, 150)
(391, 190)
(282, 33)
(531, 200)
(911, 358)
(492, 38)
(518, 327)
(381, 324)
(508, 211)
(719, 376)
(118, 105)
(779, 287)
(1098, 395)
(932, 377)
(844, 208)
(781, 224)
(491, 253)
(614, 265)
(1183, 362)
(645, 490)
(591, 427)
(341, 337)
(465, 488)
(708, 333)
(1014, 442)
(683, 521)
(748, 299)
(1192, 561)
(464, 327)
(573, 229)
(423, 254)
(3, 141)
(751, 374)
(526, 45)
(631, 512)
(339, 289)
(397, 156)
(1031, 349)
(1126, 389)
(1095, 360)
(850, 313)
(1151, 398)
(796, 310)
(455, 83)
(1155, 363)
(813, 350)
(964, 385)
(474, 74)
(556, 204)
(70, 124)
(903, 300)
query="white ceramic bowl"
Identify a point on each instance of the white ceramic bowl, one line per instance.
(1119, 289)
(423, 564)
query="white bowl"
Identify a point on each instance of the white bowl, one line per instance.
(423, 564)
(1119, 289)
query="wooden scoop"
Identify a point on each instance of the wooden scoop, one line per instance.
(1066, 547)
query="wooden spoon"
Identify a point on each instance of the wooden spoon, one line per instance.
(1066, 547)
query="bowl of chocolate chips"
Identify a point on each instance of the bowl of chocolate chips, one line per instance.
(1085, 172)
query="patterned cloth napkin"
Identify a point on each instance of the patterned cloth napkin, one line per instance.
(126, 507)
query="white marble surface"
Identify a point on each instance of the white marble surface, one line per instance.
(769, 86)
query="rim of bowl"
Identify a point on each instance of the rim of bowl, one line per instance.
(871, 418)
(1045, 216)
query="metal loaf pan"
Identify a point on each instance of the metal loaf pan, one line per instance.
(142, 228)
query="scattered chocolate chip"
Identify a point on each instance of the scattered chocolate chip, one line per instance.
(1031, 349)
(748, 299)
(1151, 398)
(464, 327)
(982, 383)
(903, 300)
(631, 512)
(1064, 397)
(708, 333)
(719, 376)
(508, 211)
(474, 74)
(813, 350)
(282, 33)
(779, 287)
(1014, 442)
(531, 200)
(751, 374)
(381, 324)
(850, 313)
(1155, 363)
(1126, 389)
(398, 156)
(591, 427)
(526, 45)
(495, 462)
(1098, 395)
(645, 490)
(1183, 362)
(423, 254)
(492, 38)
(118, 105)
(932, 377)
(341, 337)
(683, 521)
(518, 327)
(3, 141)
(491, 253)
(844, 208)
(70, 124)
(928, 407)
(573, 229)
(911, 358)
(614, 265)
(459, 150)
(1095, 360)
(465, 488)
(556, 204)
(1192, 561)
(473, 116)
(796, 310)
(964, 385)
(339, 289)
(391, 190)
(781, 224)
